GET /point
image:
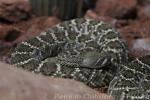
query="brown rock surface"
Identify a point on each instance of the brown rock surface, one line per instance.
(16, 84)
(24, 30)
(14, 10)
(144, 12)
(34, 27)
(116, 8)
(9, 33)
(3, 31)
(107, 19)
(136, 30)
(5, 52)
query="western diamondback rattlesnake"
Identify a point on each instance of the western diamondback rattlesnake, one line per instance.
(81, 49)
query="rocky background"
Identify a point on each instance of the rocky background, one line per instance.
(18, 23)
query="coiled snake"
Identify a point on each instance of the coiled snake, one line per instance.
(88, 51)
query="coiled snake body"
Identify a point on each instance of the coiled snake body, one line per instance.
(81, 49)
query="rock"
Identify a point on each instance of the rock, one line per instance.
(91, 14)
(136, 30)
(144, 12)
(16, 84)
(3, 31)
(116, 8)
(34, 27)
(140, 47)
(14, 10)
(15, 33)
(107, 19)
(143, 2)
(9, 33)
(5, 52)
(135, 34)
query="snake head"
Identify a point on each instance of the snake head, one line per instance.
(95, 59)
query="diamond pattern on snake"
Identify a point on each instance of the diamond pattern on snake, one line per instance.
(85, 50)
(133, 81)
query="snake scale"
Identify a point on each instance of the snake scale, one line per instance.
(89, 51)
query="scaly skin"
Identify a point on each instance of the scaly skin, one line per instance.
(88, 51)
(133, 81)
